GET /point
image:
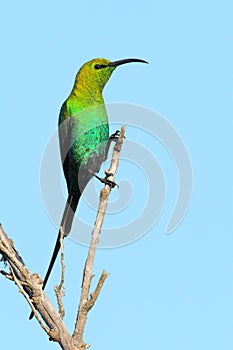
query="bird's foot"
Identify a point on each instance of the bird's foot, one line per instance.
(115, 136)
(106, 181)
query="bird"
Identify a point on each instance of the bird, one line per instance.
(83, 137)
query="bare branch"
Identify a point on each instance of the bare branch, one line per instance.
(85, 303)
(60, 289)
(94, 295)
(30, 285)
(17, 282)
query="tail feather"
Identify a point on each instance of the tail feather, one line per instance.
(66, 224)
(68, 215)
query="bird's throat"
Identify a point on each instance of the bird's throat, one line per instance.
(87, 96)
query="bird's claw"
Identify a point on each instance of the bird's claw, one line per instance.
(106, 181)
(115, 136)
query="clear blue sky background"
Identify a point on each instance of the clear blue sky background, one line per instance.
(165, 291)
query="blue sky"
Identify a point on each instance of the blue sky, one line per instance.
(164, 291)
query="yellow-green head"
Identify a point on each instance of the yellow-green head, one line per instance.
(94, 74)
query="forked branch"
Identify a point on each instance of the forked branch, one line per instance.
(30, 285)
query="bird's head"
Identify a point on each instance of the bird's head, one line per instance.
(95, 73)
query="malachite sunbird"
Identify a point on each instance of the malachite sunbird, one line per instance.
(83, 135)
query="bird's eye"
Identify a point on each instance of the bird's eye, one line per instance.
(99, 66)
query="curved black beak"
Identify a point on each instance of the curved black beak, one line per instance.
(126, 60)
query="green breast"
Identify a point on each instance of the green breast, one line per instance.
(84, 135)
(89, 133)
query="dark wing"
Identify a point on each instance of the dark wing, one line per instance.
(64, 125)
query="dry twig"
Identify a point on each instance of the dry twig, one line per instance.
(30, 285)
(85, 303)
(60, 289)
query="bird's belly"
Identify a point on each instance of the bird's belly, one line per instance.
(86, 156)
(88, 147)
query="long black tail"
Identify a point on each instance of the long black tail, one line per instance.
(66, 224)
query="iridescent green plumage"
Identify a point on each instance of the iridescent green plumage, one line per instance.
(83, 125)
(83, 135)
